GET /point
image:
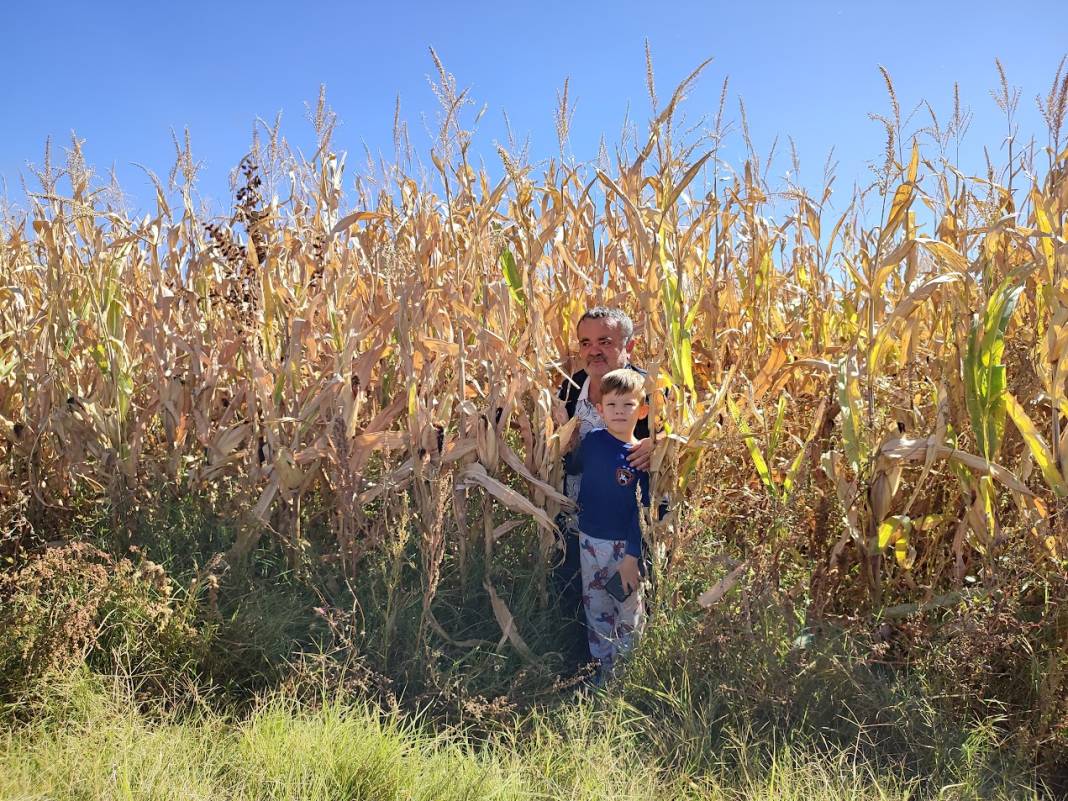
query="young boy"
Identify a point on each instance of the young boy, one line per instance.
(610, 535)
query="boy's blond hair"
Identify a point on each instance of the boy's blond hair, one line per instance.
(623, 382)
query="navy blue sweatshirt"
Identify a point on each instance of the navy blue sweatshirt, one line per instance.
(608, 508)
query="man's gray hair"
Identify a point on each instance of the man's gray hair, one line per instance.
(617, 316)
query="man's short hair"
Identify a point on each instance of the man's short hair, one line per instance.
(623, 382)
(617, 316)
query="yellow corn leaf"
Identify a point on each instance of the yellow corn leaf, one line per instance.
(413, 401)
(1040, 452)
(349, 220)
(949, 254)
(891, 529)
(812, 220)
(895, 531)
(905, 553)
(903, 310)
(1045, 230)
(903, 195)
(684, 182)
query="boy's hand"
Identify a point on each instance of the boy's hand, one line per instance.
(641, 454)
(628, 573)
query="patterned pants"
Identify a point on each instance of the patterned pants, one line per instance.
(611, 625)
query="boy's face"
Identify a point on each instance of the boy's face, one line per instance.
(602, 347)
(621, 412)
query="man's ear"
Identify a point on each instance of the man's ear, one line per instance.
(629, 347)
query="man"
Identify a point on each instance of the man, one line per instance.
(606, 341)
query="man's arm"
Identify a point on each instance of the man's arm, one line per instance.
(641, 455)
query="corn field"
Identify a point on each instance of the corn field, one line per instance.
(885, 382)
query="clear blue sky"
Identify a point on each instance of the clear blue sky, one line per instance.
(124, 74)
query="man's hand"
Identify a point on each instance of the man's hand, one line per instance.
(641, 454)
(628, 573)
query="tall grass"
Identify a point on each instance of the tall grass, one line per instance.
(101, 745)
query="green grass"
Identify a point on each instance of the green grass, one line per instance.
(93, 741)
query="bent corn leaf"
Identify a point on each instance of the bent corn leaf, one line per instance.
(1037, 445)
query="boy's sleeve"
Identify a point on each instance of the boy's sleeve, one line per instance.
(634, 541)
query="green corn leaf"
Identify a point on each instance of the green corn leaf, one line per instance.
(124, 387)
(776, 429)
(513, 277)
(850, 403)
(984, 372)
(686, 360)
(790, 479)
(972, 393)
(678, 327)
(754, 451)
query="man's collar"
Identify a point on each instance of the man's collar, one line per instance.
(584, 393)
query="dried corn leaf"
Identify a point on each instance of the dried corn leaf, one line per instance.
(510, 631)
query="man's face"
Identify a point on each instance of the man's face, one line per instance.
(601, 346)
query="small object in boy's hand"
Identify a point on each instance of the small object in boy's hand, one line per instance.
(614, 587)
